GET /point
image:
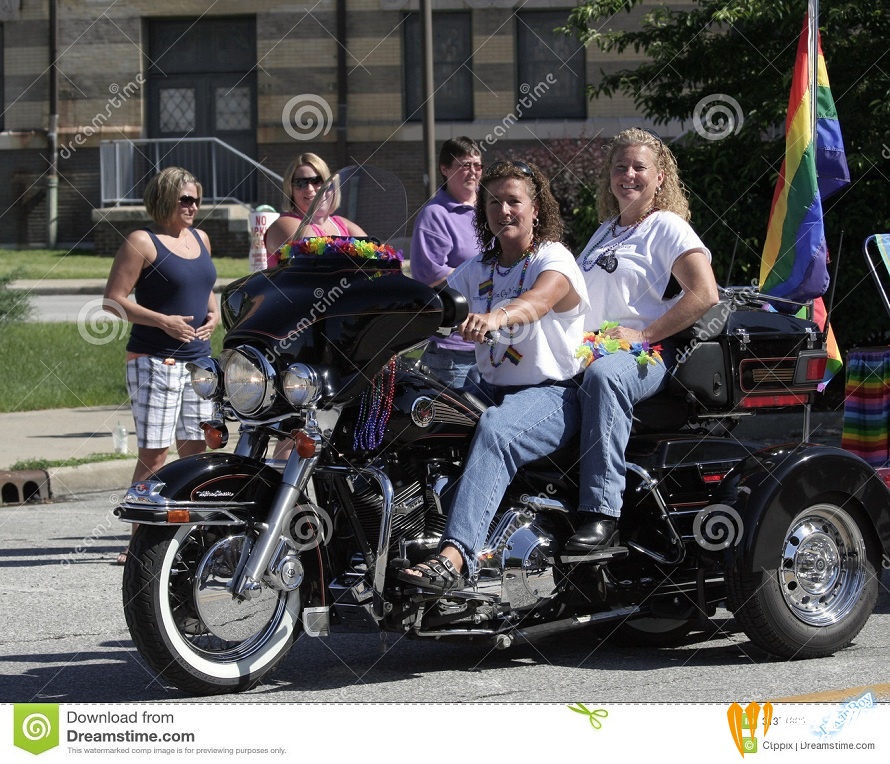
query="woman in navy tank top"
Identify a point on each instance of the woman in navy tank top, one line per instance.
(168, 267)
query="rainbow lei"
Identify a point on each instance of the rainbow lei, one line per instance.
(330, 245)
(597, 344)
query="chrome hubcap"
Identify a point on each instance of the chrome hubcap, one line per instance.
(823, 565)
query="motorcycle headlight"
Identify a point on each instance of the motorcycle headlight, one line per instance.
(249, 380)
(300, 385)
(205, 377)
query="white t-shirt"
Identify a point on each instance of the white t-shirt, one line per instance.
(542, 350)
(632, 294)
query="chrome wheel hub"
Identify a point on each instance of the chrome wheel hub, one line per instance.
(229, 619)
(822, 571)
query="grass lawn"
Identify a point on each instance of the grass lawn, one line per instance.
(81, 264)
(48, 366)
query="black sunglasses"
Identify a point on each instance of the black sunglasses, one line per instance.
(502, 163)
(188, 201)
(302, 183)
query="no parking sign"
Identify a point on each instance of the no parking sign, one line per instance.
(259, 221)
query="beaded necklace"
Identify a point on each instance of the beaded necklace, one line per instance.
(487, 288)
(607, 260)
(506, 271)
(375, 409)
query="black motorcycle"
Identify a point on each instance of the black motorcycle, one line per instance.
(234, 553)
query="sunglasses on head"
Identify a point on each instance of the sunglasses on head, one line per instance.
(302, 183)
(502, 163)
(188, 201)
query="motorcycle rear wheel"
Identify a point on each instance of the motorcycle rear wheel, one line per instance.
(822, 589)
(184, 623)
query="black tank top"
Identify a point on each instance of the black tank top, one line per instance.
(177, 287)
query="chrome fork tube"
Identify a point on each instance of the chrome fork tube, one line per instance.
(296, 475)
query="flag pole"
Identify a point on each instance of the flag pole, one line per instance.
(813, 28)
(813, 48)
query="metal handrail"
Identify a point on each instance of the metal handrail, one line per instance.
(226, 174)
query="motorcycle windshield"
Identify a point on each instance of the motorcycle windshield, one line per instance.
(340, 304)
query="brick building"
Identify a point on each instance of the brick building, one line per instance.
(271, 78)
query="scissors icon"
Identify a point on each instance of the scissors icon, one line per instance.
(592, 716)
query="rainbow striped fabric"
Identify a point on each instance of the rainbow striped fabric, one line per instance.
(795, 256)
(867, 405)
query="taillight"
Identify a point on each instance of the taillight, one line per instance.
(772, 401)
(810, 368)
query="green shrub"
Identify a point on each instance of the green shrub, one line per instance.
(15, 305)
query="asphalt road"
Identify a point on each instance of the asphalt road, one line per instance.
(64, 640)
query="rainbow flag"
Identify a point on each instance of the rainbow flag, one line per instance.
(794, 264)
(795, 256)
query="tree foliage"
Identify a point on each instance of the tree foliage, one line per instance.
(744, 50)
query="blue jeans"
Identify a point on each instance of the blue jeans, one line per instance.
(523, 425)
(456, 368)
(611, 386)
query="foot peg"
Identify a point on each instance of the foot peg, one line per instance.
(604, 554)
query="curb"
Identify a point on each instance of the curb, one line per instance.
(64, 483)
(78, 286)
(69, 482)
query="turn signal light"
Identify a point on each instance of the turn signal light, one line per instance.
(177, 516)
(303, 443)
(215, 436)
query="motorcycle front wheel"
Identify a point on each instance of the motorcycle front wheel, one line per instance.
(184, 622)
(822, 589)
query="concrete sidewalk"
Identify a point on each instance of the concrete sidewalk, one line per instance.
(59, 434)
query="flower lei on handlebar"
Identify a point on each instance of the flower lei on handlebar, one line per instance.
(338, 245)
(597, 344)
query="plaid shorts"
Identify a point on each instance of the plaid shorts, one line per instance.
(163, 401)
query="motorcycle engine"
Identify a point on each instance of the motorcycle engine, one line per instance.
(514, 564)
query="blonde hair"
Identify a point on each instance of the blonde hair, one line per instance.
(672, 193)
(161, 197)
(315, 162)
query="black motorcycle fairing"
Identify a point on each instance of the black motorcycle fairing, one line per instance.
(332, 312)
(768, 487)
(227, 479)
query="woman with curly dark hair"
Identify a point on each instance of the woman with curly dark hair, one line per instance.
(526, 287)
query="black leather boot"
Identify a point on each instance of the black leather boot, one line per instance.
(598, 531)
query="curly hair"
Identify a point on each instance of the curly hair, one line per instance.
(672, 193)
(161, 197)
(548, 224)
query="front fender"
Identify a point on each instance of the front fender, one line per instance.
(769, 488)
(216, 488)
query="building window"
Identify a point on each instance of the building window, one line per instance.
(550, 68)
(452, 66)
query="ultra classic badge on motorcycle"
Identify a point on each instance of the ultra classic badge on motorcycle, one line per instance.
(422, 411)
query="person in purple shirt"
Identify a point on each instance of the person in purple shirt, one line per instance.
(443, 238)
